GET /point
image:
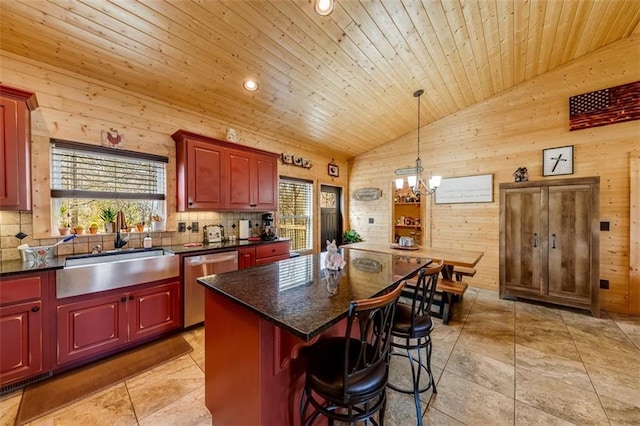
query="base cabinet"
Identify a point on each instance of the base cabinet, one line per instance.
(24, 328)
(549, 241)
(89, 326)
(263, 254)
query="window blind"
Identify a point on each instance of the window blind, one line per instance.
(296, 211)
(87, 171)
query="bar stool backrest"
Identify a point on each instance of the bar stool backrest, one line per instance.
(423, 292)
(369, 335)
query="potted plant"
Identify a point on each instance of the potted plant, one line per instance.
(140, 226)
(78, 229)
(108, 215)
(93, 228)
(63, 229)
(351, 236)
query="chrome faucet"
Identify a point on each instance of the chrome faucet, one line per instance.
(120, 223)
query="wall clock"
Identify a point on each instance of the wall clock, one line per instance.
(557, 161)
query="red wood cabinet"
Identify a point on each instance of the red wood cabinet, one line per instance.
(24, 328)
(252, 182)
(268, 253)
(246, 257)
(200, 175)
(217, 175)
(262, 254)
(89, 326)
(15, 147)
(154, 311)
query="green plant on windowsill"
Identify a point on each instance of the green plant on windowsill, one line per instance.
(108, 216)
(351, 236)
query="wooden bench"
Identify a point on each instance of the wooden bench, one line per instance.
(448, 290)
(461, 271)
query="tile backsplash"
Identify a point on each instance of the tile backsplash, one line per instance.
(12, 223)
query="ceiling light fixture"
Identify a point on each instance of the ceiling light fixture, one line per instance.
(324, 7)
(250, 85)
(414, 174)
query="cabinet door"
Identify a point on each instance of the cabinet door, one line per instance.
(569, 239)
(522, 243)
(91, 327)
(265, 195)
(246, 257)
(21, 328)
(205, 171)
(154, 311)
(15, 165)
(240, 180)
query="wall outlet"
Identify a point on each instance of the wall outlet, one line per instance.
(370, 220)
(195, 227)
(182, 227)
(604, 284)
(604, 226)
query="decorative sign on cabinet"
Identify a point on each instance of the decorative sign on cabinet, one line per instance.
(217, 175)
(549, 241)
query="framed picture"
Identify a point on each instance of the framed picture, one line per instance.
(333, 170)
(465, 189)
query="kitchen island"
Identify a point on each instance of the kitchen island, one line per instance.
(258, 319)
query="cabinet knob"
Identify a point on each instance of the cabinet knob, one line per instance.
(124, 299)
(252, 205)
(35, 309)
(553, 241)
(535, 239)
(190, 203)
(131, 297)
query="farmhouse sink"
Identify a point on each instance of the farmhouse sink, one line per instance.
(92, 273)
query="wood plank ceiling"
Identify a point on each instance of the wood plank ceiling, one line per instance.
(342, 83)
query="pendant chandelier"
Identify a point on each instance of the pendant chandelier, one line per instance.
(414, 174)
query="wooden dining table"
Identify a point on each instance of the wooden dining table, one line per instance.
(451, 258)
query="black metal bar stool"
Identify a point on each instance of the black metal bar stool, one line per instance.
(413, 323)
(346, 377)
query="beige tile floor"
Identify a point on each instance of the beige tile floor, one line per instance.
(498, 362)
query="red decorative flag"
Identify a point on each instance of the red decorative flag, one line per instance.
(606, 106)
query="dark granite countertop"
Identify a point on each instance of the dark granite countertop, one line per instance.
(303, 297)
(12, 267)
(222, 246)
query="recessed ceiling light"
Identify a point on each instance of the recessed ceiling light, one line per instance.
(324, 7)
(250, 85)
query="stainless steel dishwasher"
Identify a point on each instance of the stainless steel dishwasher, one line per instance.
(200, 266)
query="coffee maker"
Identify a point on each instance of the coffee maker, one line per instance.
(268, 230)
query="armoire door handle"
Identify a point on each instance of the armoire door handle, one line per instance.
(553, 241)
(535, 240)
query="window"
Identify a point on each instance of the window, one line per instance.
(86, 180)
(296, 212)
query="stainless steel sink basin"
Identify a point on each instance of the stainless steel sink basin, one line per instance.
(93, 273)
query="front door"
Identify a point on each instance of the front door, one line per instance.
(330, 215)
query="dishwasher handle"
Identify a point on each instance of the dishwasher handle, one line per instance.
(198, 260)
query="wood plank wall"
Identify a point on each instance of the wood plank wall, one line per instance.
(75, 108)
(509, 131)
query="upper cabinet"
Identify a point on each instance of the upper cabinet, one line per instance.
(15, 148)
(217, 175)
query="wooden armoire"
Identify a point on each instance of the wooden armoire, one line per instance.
(550, 241)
